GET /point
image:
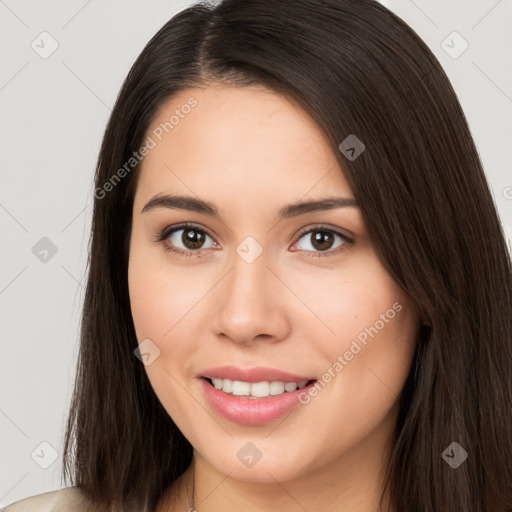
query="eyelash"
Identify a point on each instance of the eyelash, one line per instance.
(166, 232)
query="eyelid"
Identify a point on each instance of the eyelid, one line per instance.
(325, 227)
(180, 225)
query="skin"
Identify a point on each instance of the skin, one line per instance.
(250, 152)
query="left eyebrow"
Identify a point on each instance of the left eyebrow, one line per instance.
(177, 202)
(329, 203)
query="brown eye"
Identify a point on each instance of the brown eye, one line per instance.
(185, 239)
(323, 240)
(192, 238)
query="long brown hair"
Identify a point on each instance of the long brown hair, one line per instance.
(357, 69)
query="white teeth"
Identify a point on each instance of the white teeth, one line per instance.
(290, 386)
(260, 389)
(241, 388)
(256, 389)
(227, 385)
(276, 388)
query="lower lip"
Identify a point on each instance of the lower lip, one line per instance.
(251, 411)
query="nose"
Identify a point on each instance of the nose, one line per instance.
(251, 303)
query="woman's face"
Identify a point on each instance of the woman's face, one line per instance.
(255, 290)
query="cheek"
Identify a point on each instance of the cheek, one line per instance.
(161, 295)
(162, 307)
(166, 302)
(367, 355)
(353, 300)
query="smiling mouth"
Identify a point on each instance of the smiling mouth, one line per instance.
(255, 390)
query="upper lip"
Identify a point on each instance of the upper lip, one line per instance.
(257, 374)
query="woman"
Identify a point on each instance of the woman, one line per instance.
(299, 295)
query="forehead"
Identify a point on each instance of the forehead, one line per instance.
(238, 144)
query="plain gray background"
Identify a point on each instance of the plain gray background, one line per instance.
(53, 114)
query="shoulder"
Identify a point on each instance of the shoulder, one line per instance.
(69, 499)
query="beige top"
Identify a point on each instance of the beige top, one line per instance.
(69, 499)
